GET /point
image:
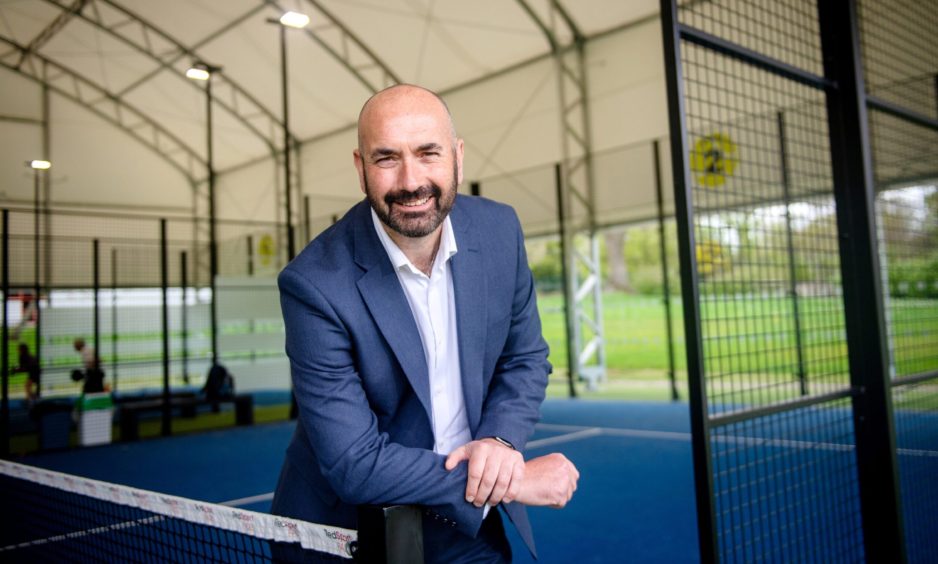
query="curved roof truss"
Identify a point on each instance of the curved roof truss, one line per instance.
(164, 49)
(143, 36)
(105, 104)
(336, 38)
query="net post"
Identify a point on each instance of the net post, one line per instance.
(390, 535)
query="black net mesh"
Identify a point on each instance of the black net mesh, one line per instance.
(63, 518)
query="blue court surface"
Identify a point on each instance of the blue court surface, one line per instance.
(635, 500)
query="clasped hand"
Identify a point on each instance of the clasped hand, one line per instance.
(498, 474)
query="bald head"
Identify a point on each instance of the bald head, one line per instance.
(398, 100)
(409, 161)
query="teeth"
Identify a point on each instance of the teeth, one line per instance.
(415, 203)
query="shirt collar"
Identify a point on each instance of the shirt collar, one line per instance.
(399, 259)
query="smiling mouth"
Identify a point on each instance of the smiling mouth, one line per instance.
(414, 203)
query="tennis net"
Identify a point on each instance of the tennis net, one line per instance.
(50, 516)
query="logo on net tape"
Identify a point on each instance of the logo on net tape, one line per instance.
(246, 519)
(114, 493)
(207, 512)
(343, 541)
(292, 529)
(172, 505)
(143, 500)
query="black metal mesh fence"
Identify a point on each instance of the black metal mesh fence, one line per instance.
(900, 60)
(899, 52)
(916, 421)
(772, 322)
(785, 487)
(777, 381)
(102, 278)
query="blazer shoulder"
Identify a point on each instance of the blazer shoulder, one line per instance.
(489, 213)
(327, 258)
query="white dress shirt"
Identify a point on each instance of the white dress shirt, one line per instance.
(433, 304)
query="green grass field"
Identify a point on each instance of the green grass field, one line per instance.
(749, 342)
(750, 348)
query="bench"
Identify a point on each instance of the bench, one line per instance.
(129, 411)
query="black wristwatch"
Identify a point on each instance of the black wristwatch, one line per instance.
(503, 441)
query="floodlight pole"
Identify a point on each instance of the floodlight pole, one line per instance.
(37, 166)
(212, 218)
(36, 259)
(288, 202)
(4, 336)
(205, 72)
(291, 251)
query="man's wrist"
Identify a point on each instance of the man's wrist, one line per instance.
(502, 442)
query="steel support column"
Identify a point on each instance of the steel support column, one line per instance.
(585, 340)
(867, 337)
(693, 339)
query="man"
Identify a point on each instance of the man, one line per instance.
(415, 348)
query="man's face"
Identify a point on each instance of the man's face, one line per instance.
(409, 163)
(414, 213)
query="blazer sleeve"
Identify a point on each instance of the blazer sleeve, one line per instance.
(360, 463)
(519, 381)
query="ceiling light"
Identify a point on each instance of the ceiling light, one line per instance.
(40, 165)
(294, 19)
(198, 73)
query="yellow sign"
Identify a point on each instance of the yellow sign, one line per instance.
(266, 249)
(711, 258)
(713, 159)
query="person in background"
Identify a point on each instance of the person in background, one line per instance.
(89, 357)
(91, 372)
(30, 365)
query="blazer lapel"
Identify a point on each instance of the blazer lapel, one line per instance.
(381, 291)
(470, 290)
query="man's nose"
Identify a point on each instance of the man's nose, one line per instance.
(408, 176)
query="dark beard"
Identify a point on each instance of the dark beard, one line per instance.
(414, 224)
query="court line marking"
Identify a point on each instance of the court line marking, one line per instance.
(574, 436)
(85, 533)
(578, 432)
(248, 500)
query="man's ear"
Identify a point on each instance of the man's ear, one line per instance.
(460, 149)
(360, 167)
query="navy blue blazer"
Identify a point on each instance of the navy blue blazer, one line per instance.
(360, 376)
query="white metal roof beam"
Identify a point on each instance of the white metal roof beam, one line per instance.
(347, 48)
(105, 104)
(166, 50)
(53, 28)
